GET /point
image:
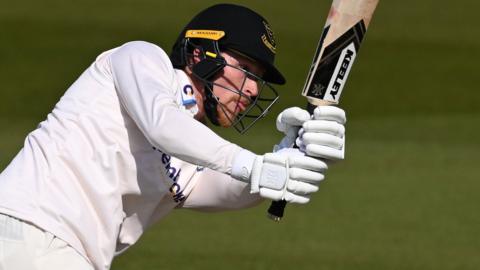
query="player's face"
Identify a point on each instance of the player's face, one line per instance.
(234, 88)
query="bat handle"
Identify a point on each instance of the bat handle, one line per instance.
(276, 209)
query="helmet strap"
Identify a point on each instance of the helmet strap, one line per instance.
(210, 105)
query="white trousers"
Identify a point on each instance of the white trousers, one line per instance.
(26, 247)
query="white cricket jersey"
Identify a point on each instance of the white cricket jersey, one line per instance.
(99, 169)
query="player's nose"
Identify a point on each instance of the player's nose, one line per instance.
(252, 87)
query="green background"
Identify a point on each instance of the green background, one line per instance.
(407, 195)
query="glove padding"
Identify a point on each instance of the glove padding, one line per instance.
(287, 174)
(289, 121)
(321, 135)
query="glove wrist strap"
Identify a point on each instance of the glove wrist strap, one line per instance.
(242, 165)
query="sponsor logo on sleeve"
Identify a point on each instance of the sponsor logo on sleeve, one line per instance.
(173, 174)
(188, 98)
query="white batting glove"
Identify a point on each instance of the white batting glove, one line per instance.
(320, 135)
(324, 135)
(287, 174)
(289, 121)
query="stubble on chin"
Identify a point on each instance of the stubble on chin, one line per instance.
(223, 120)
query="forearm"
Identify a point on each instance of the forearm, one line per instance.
(183, 137)
(215, 192)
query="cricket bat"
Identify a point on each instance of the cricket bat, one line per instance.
(336, 51)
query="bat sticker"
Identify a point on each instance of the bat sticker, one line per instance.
(337, 59)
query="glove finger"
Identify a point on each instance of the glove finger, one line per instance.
(326, 152)
(278, 195)
(271, 194)
(299, 144)
(323, 139)
(301, 188)
(308, 163)
(324, 126)
(292, 198)
(307, 176)
(331, 113)
(294, 116)
(291, 117)
(300, 132)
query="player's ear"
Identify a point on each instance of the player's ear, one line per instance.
(197, 55)
(193, 59)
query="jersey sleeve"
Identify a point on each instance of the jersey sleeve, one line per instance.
(145, 81)
(214, 191)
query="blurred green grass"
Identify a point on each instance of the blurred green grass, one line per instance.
(406, 197)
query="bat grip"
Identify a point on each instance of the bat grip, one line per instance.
(277, 208)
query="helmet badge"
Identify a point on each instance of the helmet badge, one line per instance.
(268, 38)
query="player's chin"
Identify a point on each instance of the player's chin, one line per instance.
(226, 119)
(224, 122)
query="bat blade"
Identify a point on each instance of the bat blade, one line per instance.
(328, 78)
(336, 51)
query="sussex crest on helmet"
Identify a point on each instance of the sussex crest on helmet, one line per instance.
(268, 38)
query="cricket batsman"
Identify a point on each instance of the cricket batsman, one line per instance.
(128, 142)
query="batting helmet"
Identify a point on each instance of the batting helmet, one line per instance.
(234, 28)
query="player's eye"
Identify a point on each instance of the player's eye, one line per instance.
(249, 73)
(244, 67)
